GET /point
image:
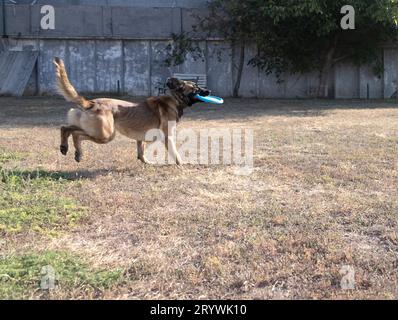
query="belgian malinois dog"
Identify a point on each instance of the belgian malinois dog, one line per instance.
(98, 120)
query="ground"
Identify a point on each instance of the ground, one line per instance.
(321, 206)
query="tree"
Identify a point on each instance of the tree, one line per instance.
(300, 36)
(230, 19)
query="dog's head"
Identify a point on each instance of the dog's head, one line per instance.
(185, 91)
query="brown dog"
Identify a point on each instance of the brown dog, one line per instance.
(97, 120)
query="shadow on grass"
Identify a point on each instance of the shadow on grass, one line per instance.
(55, 175)
(51, 112)
(240, 109)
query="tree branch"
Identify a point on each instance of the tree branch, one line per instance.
(341, 58)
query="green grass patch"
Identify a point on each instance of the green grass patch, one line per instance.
(8, 156)
(33, 201)
(32, 274)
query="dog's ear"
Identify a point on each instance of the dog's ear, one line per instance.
(175, 84)
(181, 85)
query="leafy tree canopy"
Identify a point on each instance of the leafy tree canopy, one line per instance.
(299, 36)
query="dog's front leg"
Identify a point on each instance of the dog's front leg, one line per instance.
(172, 151)
(141, 152)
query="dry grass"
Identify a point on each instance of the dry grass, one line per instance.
(323, 195)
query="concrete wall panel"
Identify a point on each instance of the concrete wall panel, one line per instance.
(159, 71)
(32, 86)
(391, 72)
(312, 84)
(130, 3)
(17, 20)
(346, 81)
(375, 83)
(23, 44)
(296, 86)
(48, 50)
(250, 77)
(157, 3)
(191, 19)
(219, 68)
(107, 23)
(1, 27)
(137, 68)
(269, 86)
(109, 66)
(145, 23)
(194, 64)
(81, 64)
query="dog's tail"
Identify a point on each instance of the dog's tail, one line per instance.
(65, 87)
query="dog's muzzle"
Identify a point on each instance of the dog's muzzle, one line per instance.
(192, 96)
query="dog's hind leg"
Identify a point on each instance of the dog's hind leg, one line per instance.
(78, 138)
(65, 134)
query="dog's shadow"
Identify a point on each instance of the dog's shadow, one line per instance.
(62, 175)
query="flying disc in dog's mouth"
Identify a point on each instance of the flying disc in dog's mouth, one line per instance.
(198, 95)
(210, 99)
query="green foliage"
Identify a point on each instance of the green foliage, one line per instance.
(20, 275)
(230, 19)
(30, 201)
(7, 156)
(296, 35)
(179, 48)
(299, 34)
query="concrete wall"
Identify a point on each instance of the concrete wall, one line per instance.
(111, 44)
(124, 3)
(137, 68)
(83, 21)
(98, 65)
(391, 72)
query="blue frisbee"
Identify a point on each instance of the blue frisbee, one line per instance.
(210, 99)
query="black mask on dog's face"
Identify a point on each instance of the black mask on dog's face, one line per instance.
(186, 90)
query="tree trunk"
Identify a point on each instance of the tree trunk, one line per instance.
(240, 70)
(323, 89)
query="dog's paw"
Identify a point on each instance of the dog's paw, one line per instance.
(144, 160)
(63, 149)
(78, 156)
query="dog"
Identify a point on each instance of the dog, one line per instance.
(98, 120)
